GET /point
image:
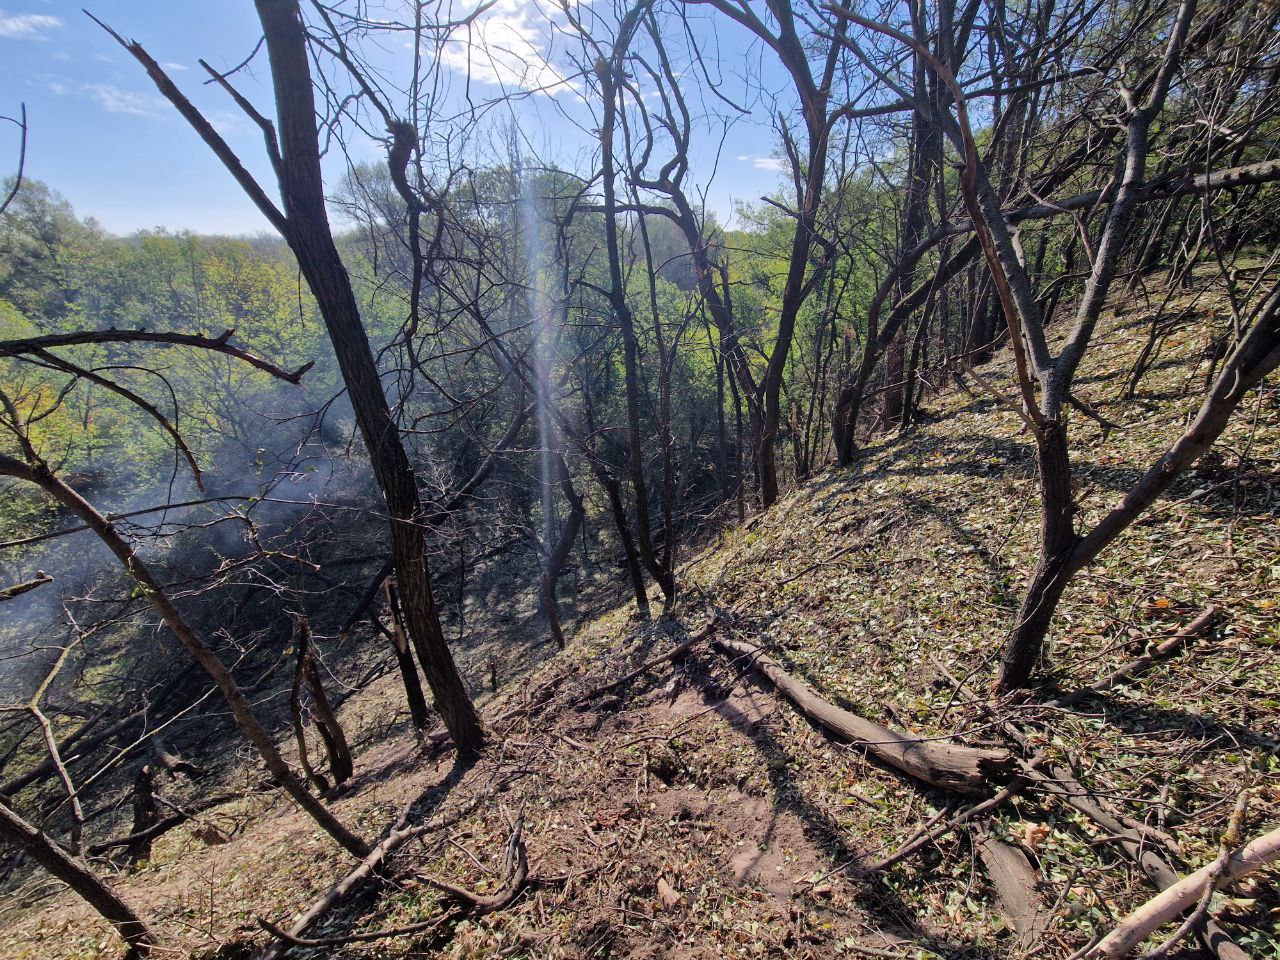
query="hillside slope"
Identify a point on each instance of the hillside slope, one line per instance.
(693, 813)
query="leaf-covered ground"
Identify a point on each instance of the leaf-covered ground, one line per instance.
(694, 814)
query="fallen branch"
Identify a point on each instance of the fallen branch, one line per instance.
(847, 548)
(164, 825)
(342, 941)
(932, 833)
(1135, 844)
(967, 770)
(649, 664)
(516, 874)
(1163, 651)
(1183, 894)
(367, 870)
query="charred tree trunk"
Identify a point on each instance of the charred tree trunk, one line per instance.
(311, 239)
(317, 782)
(404, 660)
(146, 815)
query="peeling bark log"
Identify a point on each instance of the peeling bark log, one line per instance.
(966, 770)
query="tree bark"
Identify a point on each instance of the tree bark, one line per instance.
(311, 239)
(404, 659)
(75, 874)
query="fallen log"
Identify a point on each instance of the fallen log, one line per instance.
(1183, 894)
(171, 761)
(1137, 846)
(1014, 880)
(968, 770)
(932, 832)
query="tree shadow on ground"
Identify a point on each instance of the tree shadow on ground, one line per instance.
(714, 679)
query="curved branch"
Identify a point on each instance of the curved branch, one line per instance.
(218, 344)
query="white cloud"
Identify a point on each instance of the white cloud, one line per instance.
(170, 65)
(114, 100)
(27, 25)
(509, 46)
(775, 164)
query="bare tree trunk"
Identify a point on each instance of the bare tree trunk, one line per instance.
(145, 814)
(1058, 541)
(558, 554)
(314, 780)
(1064, 552)
(311, 239)
(610, 81)
(75, 874)
(335, 741)
(404, 659)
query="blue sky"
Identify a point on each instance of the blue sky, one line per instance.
(102, 136)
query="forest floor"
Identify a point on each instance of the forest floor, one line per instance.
(693, 813)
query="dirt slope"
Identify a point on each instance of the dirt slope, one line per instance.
(693, 814)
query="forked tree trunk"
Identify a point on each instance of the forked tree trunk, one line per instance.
(1065, 553)
(335, 741)
(314, 780)
(610, 82)
(558, 553)
(75, 874)
(1053, 571)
